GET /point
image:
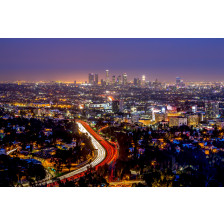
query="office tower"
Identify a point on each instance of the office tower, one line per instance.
(91, 78)
(107, 77)
(143, 80)
(113, 79)
(102, 82)
(156, 84)
(124, 79)
(119, 80)
(178, 80)
(96, 79)
(121, 105)
(211, 109)
(182, 83)
(115, 106)
(137, 82)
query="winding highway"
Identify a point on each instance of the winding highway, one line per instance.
(105, 155)
(11, 151)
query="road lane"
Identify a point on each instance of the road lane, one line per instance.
(101, 158)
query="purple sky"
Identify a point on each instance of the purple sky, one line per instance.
(73, 59)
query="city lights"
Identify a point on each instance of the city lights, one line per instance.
(126, 126)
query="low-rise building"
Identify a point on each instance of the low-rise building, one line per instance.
(177, 121)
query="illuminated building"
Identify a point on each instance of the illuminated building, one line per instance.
(96, 79)
(177, 121)
(182, 83)
(107, 77)
(113, 79)
(91, 78)
(99, 106)
(121, 105)
(137, 82)
(192, 120)
(194, 108)
(156, 85)
(143, 80)
(171, 108)
(211, 109)
(81, 106)
(133, 109)
(178, 80)
(146, 122)
(119, 80)
(220, 124)
(153, 113)
(32, 104)
(160, 117)
(201, 116)
(135, 118)
(115, 106)
(124, 76)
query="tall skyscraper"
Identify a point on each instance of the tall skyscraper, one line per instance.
(91, 78)
(107, 77)
(124, 76)
(211, 109)
(113, 79)
(178, 80)
(119, 80)
(143, 80)
(182, 83)
(121, 105)
(96, 79)
(137, 82)
(115, 106)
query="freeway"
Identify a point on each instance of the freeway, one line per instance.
(102, 128)
(114, 149)
(105, 155)
(11, 151)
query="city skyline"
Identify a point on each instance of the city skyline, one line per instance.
(74, 59)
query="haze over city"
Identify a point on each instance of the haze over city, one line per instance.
(74, 59)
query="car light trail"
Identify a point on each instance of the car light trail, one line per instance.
(105, 154)
(11, 151)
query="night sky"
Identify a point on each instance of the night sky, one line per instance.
(74, 59)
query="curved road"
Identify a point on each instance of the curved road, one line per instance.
(105, 155)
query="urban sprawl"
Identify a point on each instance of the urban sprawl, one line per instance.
(116, 131)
